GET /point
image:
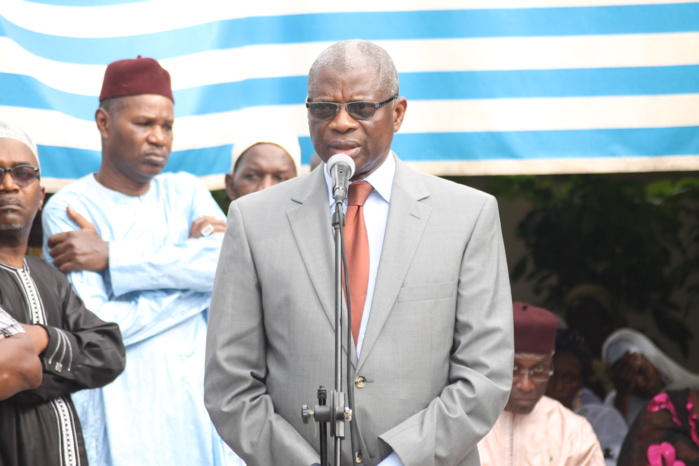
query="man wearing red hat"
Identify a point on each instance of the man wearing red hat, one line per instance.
(141, 248)
(534, 429)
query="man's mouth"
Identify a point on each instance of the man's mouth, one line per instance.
(9, 205)
(155, 158)
(523, 401)
(347, 149)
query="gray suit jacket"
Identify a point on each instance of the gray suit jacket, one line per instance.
(438, 350)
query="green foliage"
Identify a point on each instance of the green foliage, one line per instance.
(638, 239)
(221, 199)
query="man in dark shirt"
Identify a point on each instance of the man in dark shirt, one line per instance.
(77, 350)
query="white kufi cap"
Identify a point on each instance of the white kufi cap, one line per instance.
(12, 131)
(281, 137)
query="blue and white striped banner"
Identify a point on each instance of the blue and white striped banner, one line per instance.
(493, 86)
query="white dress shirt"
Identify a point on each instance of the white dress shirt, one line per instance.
(375, 216)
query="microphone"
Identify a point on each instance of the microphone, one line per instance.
(341, 169)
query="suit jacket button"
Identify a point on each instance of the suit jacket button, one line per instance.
(358, 457)
(360, 381)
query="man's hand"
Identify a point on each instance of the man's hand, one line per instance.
(205, 226)
(79, 250)
(38, 335)
(20, 367)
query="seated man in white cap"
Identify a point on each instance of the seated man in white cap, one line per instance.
(262, 159)
(534, 429)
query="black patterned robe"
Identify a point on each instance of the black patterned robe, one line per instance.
(40, 427)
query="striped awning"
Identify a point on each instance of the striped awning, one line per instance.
(493, 86)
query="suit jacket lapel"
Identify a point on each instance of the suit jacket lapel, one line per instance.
(407, 218)
(311, 224)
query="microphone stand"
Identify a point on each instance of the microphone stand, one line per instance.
(335, 412)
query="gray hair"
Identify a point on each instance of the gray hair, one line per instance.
(12, 131)
(357, 54)
(112, 106)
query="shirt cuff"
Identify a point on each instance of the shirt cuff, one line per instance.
(391, 460)
(9, 325)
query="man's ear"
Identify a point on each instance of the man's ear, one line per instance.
(42, 195)
(229, 186)
(102, 118)
(399, 109)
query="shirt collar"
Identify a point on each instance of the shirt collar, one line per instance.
(381, 179)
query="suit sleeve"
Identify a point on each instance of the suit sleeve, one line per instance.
(83, 352)
(235, 392)
(480, 364)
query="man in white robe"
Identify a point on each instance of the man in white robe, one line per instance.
(140, 248)
(534, 429)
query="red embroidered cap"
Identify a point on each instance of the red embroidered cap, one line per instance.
(134, 77)
(535, 329)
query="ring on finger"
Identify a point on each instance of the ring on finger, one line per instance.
(208, 229)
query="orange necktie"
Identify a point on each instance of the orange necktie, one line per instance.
(357, 250)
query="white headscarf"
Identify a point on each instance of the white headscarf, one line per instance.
(12, 131)
(675, 376)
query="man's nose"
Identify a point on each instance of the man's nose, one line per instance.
(343, 121)
(7, 183)
(157, 136)
(525, 383)
(267, 181)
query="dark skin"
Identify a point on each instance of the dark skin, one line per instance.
(261, 166)
(18, 204)
(367, 142)
(567, 379)
(18, 207)
(20, 368)
(136, 144)
(526, 392)
(315, 161)
(634, 374)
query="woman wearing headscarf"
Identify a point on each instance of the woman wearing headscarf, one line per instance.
(640, 370)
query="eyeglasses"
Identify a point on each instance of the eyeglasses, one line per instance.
(23, 175)
(539, 374)
(357, 110)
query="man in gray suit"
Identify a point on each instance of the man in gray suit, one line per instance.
(432, 362)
